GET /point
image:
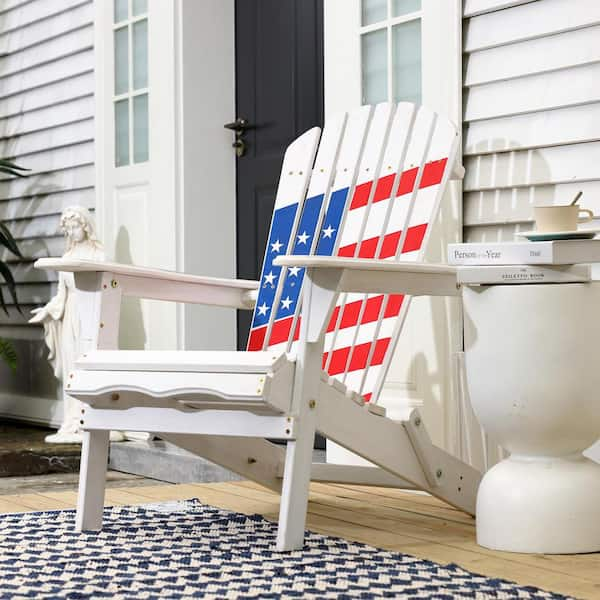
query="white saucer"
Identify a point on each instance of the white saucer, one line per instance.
(545, 236)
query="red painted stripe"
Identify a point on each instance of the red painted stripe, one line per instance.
(383, 190)
(339, 358)
(347, 250)
(372, 309)
(280, 331)
(433, 173)
(361, 195)
(407, 182)
(334, 317)
(257, 338)
(393, 306)
(390, 244)
(414, 238)
(381, 347)
(367, 248)
(359, 357)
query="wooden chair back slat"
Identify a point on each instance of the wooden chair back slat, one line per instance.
(375, 189)
(286, 304)
(291, 193)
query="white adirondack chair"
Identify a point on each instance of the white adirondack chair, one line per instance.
(348, 231)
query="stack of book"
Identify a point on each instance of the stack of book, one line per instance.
(556, 261)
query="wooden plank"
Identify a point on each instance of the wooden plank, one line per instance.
(52, 50)
(472, 8)
(567, 87)
(578, 47)
(72, 179)
(70, 111)
(75, 86)
(30, 293)
(46, 74)
(48, 140)
(43, 205)
(558, 164)
(574, 124)
(515, 205)
(49, 161)
(37, 11)
(526, 22)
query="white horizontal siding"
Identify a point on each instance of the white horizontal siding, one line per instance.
(65, 90)
(567, 87)
(528, 21)
(56, 26)
(46, 125)
(479, 7)
(541, 128)
(531, 111)
(578, 47)
(48, 117)
(48, 51)
(26, 14)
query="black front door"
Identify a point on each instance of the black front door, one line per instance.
(279, 95)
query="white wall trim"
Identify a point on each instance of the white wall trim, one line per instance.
(31, 409)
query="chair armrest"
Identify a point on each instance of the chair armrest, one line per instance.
(377, 276)
(159, 284)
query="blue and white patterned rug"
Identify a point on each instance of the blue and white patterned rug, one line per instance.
(189, 550)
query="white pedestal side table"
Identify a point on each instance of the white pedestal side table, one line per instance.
(533, 369)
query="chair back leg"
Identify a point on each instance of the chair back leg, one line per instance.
(92, 480)
(296, 481)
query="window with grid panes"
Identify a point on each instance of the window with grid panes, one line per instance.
(130, 97)
(390, 37)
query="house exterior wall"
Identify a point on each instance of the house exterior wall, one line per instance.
(46, 124)
(531, 111)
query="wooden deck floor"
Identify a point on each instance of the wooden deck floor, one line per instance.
(415, 524)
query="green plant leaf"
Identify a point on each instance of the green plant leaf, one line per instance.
(9, 167)
(2, 302)
(10, 283)
(8, 353)
(8, 241)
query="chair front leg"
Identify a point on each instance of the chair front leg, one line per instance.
(92, 480)
(296, 481)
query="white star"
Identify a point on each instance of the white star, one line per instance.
(262, 309)
(286, 303)
(276, 246)
(270, 278)
(327, 233)
(303, 237)
(294, 271)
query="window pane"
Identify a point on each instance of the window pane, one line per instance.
(406, 58)
(403, 7)
(122, 133)
(140, 7)
(140, 54)
(140, 128)
(374, 67)
(373, 11)
(121, 61)
(121, 10)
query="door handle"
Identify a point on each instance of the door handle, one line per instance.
(239, 126)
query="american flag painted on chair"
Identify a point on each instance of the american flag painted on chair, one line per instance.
(374, 191)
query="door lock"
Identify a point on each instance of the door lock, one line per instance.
(239, 126)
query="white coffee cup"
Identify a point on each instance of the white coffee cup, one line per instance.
(560, 218)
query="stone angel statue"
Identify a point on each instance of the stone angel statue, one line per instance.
(60, 318)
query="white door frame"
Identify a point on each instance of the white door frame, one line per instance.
(178, 209)
(422, 372)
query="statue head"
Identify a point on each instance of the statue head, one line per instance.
(77, 225)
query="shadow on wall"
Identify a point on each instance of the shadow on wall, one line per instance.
(132, 334)
(504, 186)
